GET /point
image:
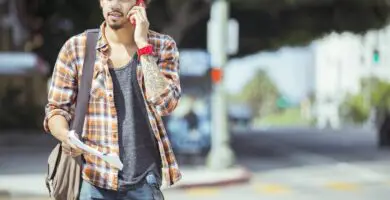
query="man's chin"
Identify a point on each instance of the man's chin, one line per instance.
(115, 26)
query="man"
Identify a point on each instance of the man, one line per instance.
(132, 88)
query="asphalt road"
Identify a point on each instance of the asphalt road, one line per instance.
(296, 164)
(302, 163)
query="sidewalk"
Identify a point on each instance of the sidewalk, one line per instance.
(19, 185)
(23, 165)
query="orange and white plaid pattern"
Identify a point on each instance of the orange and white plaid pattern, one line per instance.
(101, 126)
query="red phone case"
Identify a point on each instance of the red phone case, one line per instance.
(140, 3)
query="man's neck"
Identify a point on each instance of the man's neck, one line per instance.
(123, 36)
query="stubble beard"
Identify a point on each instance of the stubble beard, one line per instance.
(116, 27)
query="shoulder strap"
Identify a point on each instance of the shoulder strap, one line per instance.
(86, 81)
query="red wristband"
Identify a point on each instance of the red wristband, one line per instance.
(147, 50)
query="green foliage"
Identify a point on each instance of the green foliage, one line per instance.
(260, 93)
(356, 107)
(287, 117)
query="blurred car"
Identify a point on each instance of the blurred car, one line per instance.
(22, 64)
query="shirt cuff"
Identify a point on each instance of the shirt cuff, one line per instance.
(52, 113)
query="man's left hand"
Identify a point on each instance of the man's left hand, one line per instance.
(138, 15)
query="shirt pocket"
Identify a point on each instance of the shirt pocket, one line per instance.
(98, 88)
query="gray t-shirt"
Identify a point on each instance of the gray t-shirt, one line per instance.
(137, 146)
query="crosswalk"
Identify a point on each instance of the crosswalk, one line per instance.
(264, 190)
(279, 189)
(353, 181)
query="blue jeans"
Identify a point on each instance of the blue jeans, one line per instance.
(145, 190)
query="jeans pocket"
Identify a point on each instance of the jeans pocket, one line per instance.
(152, 182)
(90, 192)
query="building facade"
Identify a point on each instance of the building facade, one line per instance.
(340, 62)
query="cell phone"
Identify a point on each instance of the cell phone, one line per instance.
(140, 3)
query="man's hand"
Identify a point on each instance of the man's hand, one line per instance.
(138, 15)
(70, 149)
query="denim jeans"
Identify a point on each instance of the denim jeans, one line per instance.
(145, 190)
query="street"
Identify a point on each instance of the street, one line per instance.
(248, 73)
(305, 164)
(291, 163)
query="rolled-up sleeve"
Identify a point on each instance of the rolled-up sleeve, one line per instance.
(62, 87)
(169, 65)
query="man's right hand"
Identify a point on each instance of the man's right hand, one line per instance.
(60, 129)
(70, 149)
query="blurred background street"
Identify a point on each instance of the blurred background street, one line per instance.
(282, 99)
(293, 163)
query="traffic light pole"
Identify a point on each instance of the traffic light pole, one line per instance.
(221, 155)
(374, 63)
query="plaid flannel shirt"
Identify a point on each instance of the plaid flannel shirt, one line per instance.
(101, 125)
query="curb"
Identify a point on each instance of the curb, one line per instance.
(238, 175)
(228, 182)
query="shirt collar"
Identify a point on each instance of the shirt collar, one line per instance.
(102, 44)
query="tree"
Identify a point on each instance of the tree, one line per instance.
(264, 24)
(62, 19)
(298, 22)
(356, 109)
(180, 16)
(260, 93)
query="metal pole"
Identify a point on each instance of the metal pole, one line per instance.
(374, 63)
(221, 155)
